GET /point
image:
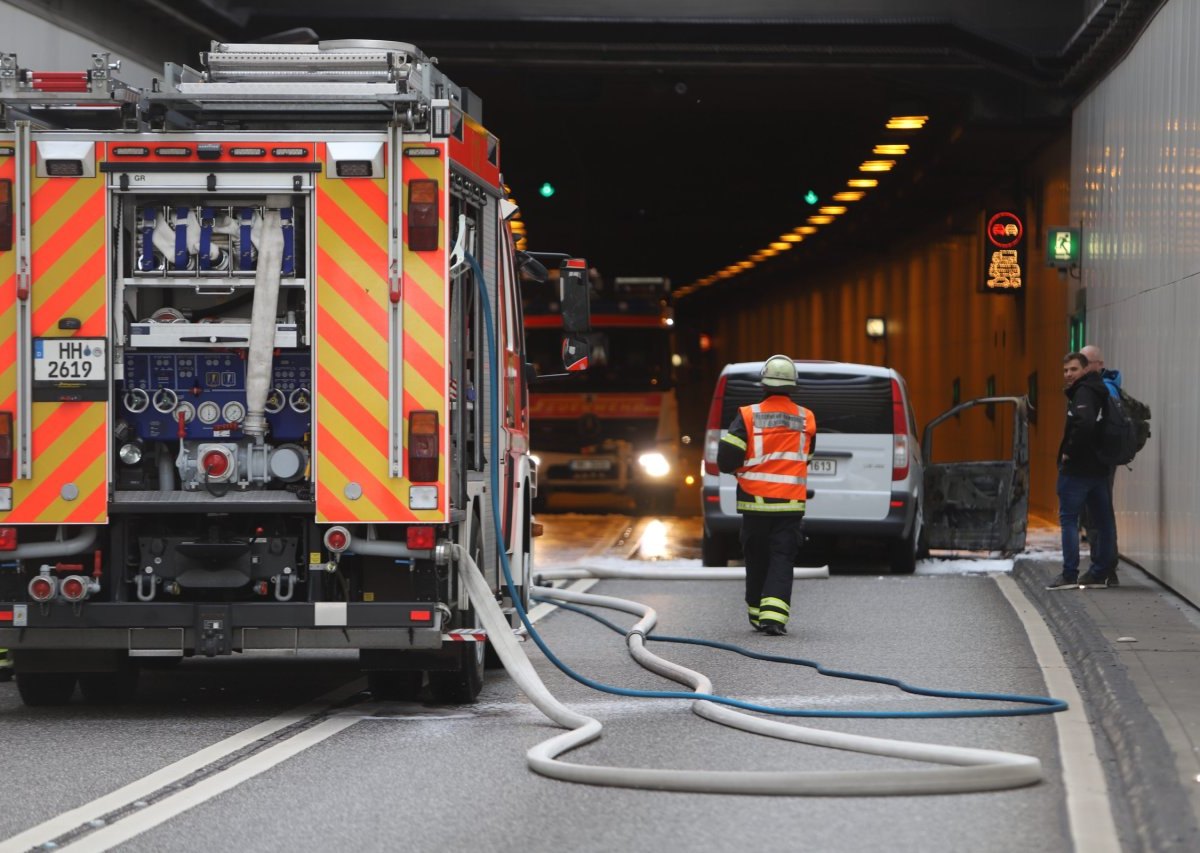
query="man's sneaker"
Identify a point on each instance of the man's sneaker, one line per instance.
(1092, 579)
(1063, 582)
(773, 629)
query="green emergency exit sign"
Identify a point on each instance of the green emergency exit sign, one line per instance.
(1062, 247)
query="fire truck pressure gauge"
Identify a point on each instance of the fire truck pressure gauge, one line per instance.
(233, 412)
(187, 410)
(208, 412)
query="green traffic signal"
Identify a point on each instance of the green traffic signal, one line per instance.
(811, 197)
(546, 189)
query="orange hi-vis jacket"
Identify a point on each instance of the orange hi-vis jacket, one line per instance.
(779, 438)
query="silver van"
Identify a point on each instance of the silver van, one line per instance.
(865, 478)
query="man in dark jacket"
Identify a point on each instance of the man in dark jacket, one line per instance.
(1112, 381)
(1083, 478)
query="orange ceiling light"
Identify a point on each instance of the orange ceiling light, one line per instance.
(876, 165)
(745, 265)
(832, 210)
(891, 149)
(906, 122)
(864, 183)
(806, 229)
(849, 195)
(820, 220)
(791, 237)
(781, 246)
(770, 253)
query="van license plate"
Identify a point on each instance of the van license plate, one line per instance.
(826, 467)
(591, 464)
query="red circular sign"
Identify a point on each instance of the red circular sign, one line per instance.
(1005, 230)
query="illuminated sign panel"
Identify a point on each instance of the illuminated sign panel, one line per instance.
(1062, 247)
(1003, 253)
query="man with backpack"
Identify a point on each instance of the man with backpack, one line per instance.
(1083, 477)
(1112, 381)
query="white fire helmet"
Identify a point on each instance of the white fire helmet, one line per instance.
(778, 370)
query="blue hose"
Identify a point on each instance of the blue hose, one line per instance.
(1038, 704)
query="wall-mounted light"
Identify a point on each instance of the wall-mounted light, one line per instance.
(876, 327)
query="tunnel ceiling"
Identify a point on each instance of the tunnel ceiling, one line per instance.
(679, 140)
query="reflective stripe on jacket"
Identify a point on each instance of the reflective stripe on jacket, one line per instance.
(779, 437)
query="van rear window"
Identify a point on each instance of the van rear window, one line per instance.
(841, 402)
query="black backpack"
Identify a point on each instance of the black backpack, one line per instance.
(1139, 413)
(1118, 434)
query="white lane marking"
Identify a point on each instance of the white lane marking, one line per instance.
(1088, 811)
(120, 831)
(144, 787)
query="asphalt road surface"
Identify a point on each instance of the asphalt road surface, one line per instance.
(291, 753)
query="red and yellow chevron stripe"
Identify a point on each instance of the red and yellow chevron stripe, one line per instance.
(351, 412)
(69, 273)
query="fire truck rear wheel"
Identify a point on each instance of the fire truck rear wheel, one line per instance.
(46, 688)
(460, 686)
(110, 688)
(395, 685)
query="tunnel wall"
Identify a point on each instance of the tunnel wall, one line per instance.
(940, 327)
(1136, 145)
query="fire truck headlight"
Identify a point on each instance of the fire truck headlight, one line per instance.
(535, 459)
(654, 464)
(131, 454)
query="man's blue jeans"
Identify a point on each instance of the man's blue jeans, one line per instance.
(1073, 493)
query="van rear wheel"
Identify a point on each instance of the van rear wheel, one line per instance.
(714, 550)
(903, 553)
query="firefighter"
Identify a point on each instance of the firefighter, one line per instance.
(768, 446)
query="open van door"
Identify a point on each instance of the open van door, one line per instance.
(979, 505)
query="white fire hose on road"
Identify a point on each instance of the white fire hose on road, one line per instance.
(970, 770)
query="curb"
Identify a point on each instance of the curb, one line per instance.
(1142, 760)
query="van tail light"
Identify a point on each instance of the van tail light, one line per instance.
(422, 215)
(712, 430)
(423, 447)
(900, 448)
(8, 539)
(6, 447)
(6, 215)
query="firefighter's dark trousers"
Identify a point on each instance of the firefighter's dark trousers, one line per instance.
(770, 543)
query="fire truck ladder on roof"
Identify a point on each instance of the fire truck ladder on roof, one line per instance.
(350, 75)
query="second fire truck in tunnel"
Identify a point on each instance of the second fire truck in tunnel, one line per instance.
(615, 428)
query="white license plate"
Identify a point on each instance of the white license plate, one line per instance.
(69, 360)
(824, 467)
(591, 464)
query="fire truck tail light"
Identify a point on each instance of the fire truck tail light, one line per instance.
(6, 447)
(74, 588)
(423, 447)
(8, 538)
(423, 215)
(6, 216)
(337, 539)
(42, 588)
(420, 538)
(420, 615)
